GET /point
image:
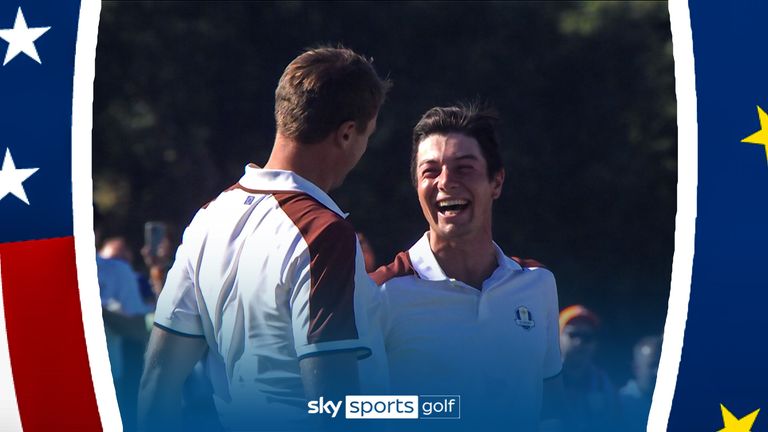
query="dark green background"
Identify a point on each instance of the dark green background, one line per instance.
(184, 96)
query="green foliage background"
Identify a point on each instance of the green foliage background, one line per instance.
(184, 97)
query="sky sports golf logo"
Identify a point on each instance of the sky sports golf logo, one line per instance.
(390, 407)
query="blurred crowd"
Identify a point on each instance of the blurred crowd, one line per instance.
(594, 402)
(129, 290)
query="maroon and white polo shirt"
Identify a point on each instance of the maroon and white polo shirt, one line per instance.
(268, 273)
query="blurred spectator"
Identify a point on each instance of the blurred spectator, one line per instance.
(123, 311)
(590, 396)
(122, 307)
(635, 396)
(198, 409)
(158, 263)
(117, 248)
(368, 254)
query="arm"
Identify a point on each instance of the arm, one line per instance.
(327, 335)
(333, 375)
(168, 361)
(132, 327)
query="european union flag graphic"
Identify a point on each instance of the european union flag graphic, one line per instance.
(722, 382)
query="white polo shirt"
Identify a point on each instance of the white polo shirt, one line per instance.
(268, 273)
(493, 346)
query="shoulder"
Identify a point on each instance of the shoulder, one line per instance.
(400, 266)
(114, 267)
(312, 218)
(528, 263)
(540, 276)
(630, 390)
(216, 201)
(328, 239)
(532, 265)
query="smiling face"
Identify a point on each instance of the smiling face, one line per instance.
(455, 193)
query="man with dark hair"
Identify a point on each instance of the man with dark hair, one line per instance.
(460, 317)
(269, 282)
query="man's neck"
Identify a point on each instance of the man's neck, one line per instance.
(471, 261)
(312, 162)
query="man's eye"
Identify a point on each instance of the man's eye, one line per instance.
(466, 168)
(429, 173)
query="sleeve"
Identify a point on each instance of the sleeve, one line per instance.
(325, 314)
(177, 310)
(553, 363)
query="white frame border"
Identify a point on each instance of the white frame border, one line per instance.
(82, 212)
(685, 222)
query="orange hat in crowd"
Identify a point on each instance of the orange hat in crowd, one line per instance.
(578, 312)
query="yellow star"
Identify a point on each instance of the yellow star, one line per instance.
(732, 424)
(761, 136)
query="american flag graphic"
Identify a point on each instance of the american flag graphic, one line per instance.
(54, 368)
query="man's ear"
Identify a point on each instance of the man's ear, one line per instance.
(345, 133)
(497, 182)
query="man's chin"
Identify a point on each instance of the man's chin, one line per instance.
(451, 232)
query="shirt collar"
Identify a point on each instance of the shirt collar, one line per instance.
(280, 181)
(425, 264)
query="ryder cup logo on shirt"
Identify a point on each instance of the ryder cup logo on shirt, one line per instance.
(524, 318)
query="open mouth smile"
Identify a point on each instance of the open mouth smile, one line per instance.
(450, 207)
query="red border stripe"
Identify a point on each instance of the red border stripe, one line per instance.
(46, 342)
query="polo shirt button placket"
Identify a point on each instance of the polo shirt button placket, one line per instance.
(482, 309)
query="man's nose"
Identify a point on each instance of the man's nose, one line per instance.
(446, 179)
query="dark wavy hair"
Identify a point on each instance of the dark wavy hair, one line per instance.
(470, 119)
